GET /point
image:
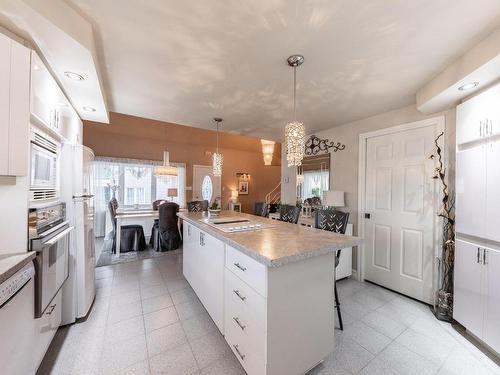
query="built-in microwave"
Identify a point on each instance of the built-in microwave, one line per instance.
(44, 166)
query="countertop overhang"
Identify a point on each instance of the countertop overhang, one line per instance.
(13, 262)
(278, 245)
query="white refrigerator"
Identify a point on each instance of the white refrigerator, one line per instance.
(79, 290)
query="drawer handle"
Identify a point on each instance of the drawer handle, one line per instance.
(237, 320)
(240, 266)
(237, 292)
(237, 348)
(52, 308)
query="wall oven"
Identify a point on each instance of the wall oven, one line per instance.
(44, 165)
(49, 233)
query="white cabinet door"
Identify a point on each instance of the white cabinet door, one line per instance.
(211, 270)
(19, 110)
(492, 298)
(471, 191)
(190, 252)
(470, 114)
(467, 305)
(4, 103)
(493, 192)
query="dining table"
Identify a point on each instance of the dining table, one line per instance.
(140, 216)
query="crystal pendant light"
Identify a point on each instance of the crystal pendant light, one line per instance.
(217, 158)
(295, 131)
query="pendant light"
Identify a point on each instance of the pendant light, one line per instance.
(295, 131)
(166, 169)
(217, 158)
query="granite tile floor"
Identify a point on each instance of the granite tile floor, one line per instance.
(147, 320)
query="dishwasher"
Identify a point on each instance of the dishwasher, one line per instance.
(17, 306)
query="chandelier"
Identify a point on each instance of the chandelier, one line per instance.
(166, 169)
(217, 158)
(295, 131)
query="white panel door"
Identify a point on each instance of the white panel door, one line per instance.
(401, 200)
(471, 191)
(492, 220)
(205, 185)
(492, 298)
(467, 301)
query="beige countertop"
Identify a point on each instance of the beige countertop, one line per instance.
(11, 263)
(276, 246)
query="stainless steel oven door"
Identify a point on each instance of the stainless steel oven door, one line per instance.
(51, 264)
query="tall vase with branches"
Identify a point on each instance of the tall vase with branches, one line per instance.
(443, 307)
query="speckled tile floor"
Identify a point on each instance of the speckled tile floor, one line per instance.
(147, 320)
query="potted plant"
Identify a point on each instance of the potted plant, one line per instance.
(214, 209)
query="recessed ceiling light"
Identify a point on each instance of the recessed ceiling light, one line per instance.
(36, 67)
(62, 104)
(88, 109)
(468, 86)
(74, 76)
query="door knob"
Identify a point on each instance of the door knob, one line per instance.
(367, 215)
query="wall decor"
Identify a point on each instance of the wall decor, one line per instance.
(315, 145)
(243, 187)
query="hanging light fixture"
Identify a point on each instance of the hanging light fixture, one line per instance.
(267, 151)
(217, 158)
(166, 169)
(295, 131)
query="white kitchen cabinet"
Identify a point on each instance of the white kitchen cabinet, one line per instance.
(479, 117)
(203, 268)
(14, 107)
(492, 192)
(492, 299)
(477, 296)
(468, 285)
(471, 182)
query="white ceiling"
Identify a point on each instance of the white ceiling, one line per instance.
(187, 61)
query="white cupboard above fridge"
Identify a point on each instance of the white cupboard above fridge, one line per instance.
(14, 104)
(49, 106)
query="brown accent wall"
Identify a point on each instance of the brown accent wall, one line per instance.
(139, 138)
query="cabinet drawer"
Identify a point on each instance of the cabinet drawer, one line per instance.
(245, 310)
(247, 269)
(46, 326)
(252, 358)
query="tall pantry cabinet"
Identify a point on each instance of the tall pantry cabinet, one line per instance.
(477, 255)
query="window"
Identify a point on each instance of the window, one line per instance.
(207, 189)
(132, 183)
(314, 184)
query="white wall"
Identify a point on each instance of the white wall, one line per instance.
(344, 164)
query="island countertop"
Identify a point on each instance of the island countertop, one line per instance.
(278, 245)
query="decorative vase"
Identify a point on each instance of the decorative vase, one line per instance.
(214, 212)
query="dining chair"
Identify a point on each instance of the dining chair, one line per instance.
(166, 233)
(131, 236)
(197, 206)
(261, 209)
(333, 221)
(289, 213)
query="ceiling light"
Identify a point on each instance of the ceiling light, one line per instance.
(166, 169)
(62, 104)
(295, 131)
(217, 157)
(468, 86)
(36, 67)
(267, 151)
(88, 109)
(74, 76)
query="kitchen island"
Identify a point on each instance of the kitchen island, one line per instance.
(267, 285)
